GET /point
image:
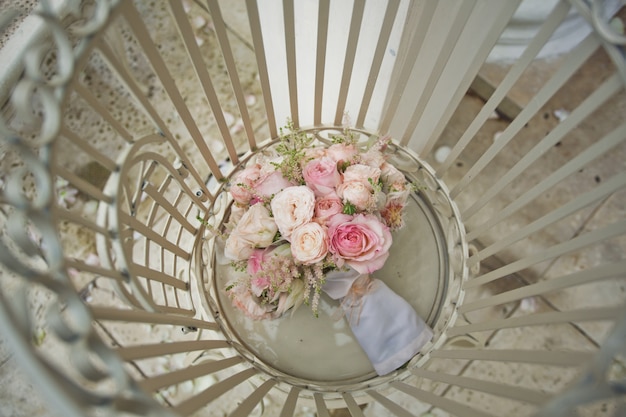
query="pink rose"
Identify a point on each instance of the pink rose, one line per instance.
(326, 207)
(342, 152)
(271, 184)
(259, 284)
(243, 183)
(245, 301)
(363, 173)
(357, 193)
(309, 243)
(259, 256)
(255, 260)
(293, 207)
(321, 175)
(361, 241)
(256, 229)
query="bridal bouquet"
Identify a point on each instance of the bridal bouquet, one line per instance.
(310, 216)
(304, 210)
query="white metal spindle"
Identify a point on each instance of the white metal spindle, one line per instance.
(588, 276)
(603, 191)
(501, 390)
(353, 407)
(87, 95)
(571, 245)
(348, 65)
(320, 59)
(461, 70)
(229, 60)
(569, 66)
(607, 90)
(290, 402)
(381, 48)
(182, 22)
(130, 353)
(290, 48)
(551, 358)
(531, 51)
(191, 372)
(460, 18)
(420, 17)
(440, 402)
(604, 145)
(390, 405)
(320, 406)
(195, 403)
(247, 406)
(143, 37)
(598, 314)
(259, 50)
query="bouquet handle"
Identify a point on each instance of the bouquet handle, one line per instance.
(385, 325)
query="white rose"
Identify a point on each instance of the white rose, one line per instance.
(392, 175)
(373, 157)
(398, 196)
(309, 243)
(256, 229)
(363, 173)
(357, 193)
(293, 207)
(237, 248)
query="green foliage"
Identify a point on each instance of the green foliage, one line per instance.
(292, 148)
(239, 266)
(349, 208)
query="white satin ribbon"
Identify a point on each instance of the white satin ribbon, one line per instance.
(385, 325)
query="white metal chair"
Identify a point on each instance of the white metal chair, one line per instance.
(130, 117)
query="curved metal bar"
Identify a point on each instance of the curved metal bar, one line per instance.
(69, 318)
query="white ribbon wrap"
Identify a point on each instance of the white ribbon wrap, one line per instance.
(385, 325)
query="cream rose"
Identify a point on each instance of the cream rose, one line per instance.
(293, 207)
(314, 153)
(309, 243)
(256, 229)
(363, 173)
(236, 248)
(392, 175)
(342, 152)
(373, 157)
(357, 193)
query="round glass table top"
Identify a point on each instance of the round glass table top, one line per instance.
(323, 349)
